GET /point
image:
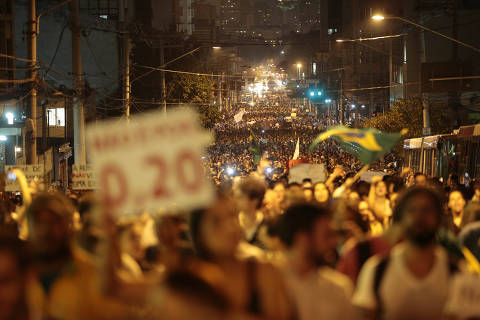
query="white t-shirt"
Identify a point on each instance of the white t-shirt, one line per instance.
(317, 297)
(403, 296)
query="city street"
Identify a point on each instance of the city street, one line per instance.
(239, 159)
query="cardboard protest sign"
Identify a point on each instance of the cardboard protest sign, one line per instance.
(368, 176)
(315, 172)
(83, 177)
(31, 172)
(152, 163)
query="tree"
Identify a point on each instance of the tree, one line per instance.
(198, 91)
(405, 114)
(209, 115)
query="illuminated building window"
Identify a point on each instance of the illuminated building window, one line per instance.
(56, 117)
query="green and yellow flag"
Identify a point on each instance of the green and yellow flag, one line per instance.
(368, 145)
(255, 148)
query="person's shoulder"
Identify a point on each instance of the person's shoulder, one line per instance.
(338, 279)
(83, 259)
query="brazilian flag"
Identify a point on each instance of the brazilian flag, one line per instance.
(368, 145)
(255, 148)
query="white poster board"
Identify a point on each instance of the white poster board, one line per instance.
(152, 163)
(83, 177)
(315, 172)
(32, 172)
(368, 175)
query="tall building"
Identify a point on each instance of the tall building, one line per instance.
(7, 42)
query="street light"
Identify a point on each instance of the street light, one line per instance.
(379, 17)
(372, 38)
(299, 66)
(10, 117)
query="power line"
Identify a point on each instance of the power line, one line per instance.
(15, 58)
(59, 41)
(190, 73)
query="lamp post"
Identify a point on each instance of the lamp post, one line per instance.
(426, 113)
(379, 17)
(389, 54)
(299, 67)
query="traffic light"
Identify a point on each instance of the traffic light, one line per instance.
(315, 93)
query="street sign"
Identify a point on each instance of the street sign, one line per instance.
(83, 177)
(65, 147)
(32, 173)
(153, 163)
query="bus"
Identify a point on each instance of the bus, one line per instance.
(441, 155)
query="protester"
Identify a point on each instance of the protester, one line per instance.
(412, 282)
(378, 201)
(14, 266)
(310, 240)
(249, 194)
(65, 283)
(253, 288)
(456, 206)
(266, 248)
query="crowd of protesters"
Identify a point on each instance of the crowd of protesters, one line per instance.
(277, 134)
(265, 249)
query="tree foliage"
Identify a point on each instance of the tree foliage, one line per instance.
(404, 114)
(191, 88)
(197, 91)
(209, 115)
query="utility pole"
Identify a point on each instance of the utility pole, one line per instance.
(78, 112)
(220, 93)
(162, 74)
(390, 71)
(30, 146)
(125, 57)
(341, 98)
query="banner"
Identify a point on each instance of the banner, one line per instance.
(83, 177)
(239, 116)
(153, 163)
(315, 172)
(32, 172)
(296, 154)
(368, 176)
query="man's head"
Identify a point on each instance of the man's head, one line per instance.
(50, 225)
(279, 189)
(419, 211)
(456, 202)
(249, 194)
(307, 189)
(420, 179)
(307, 228)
